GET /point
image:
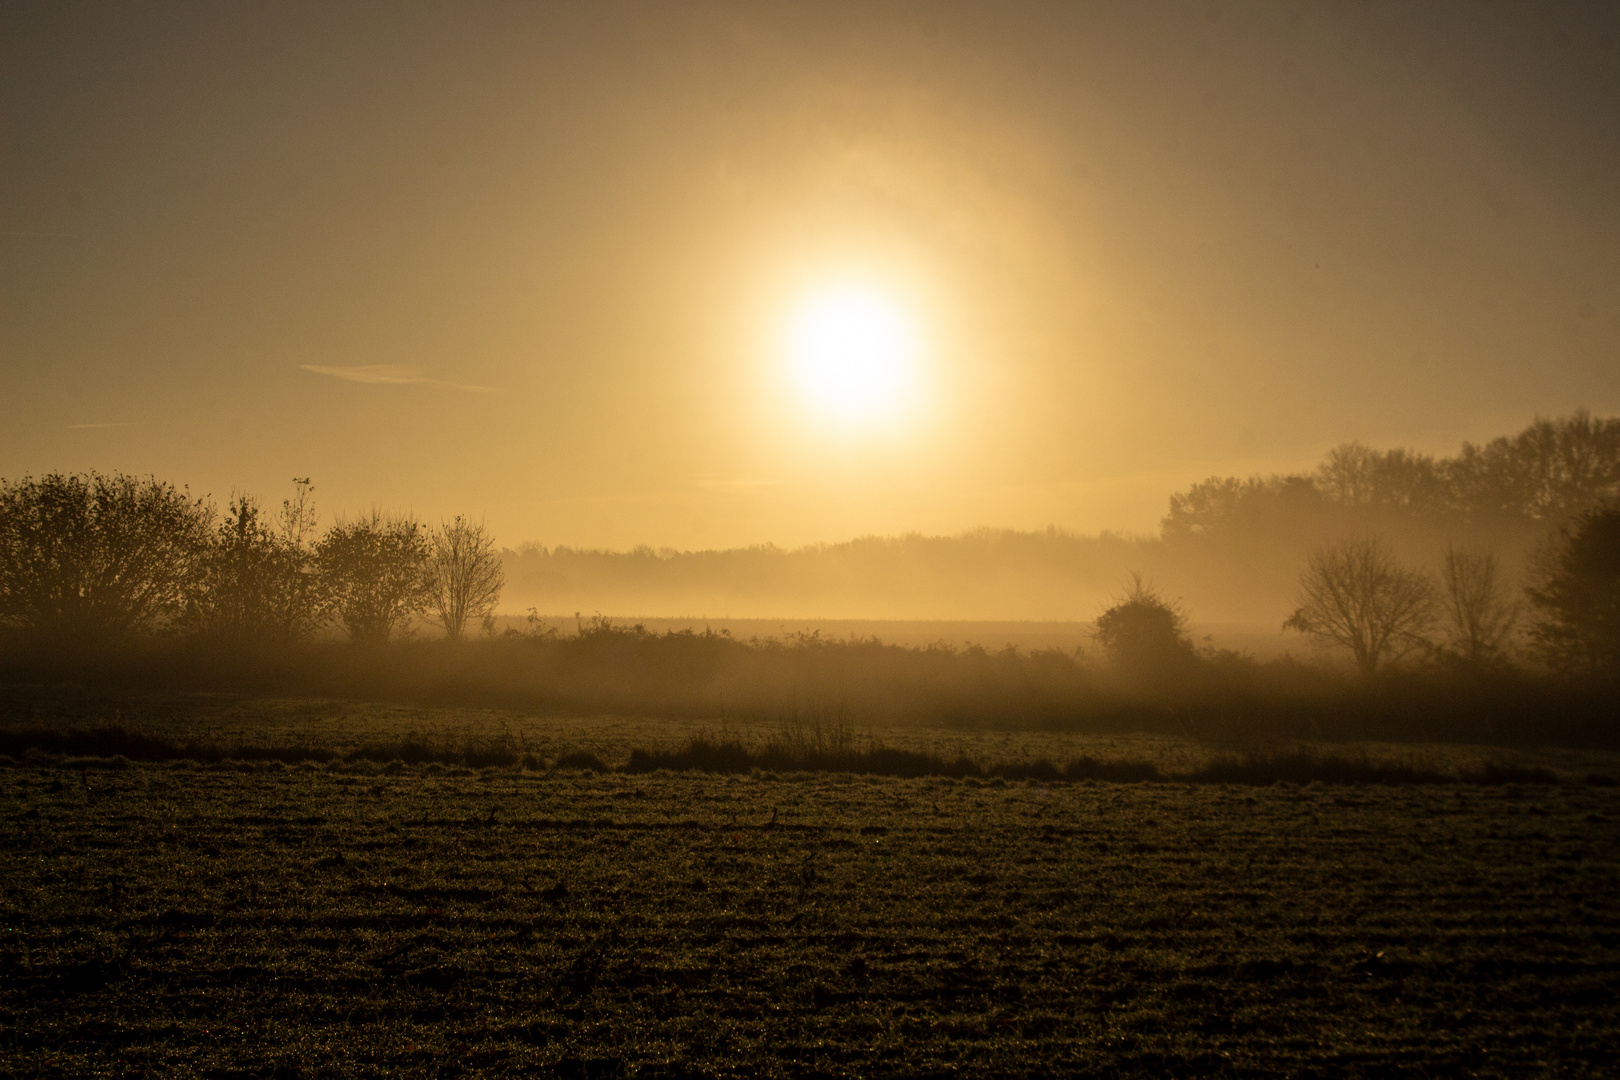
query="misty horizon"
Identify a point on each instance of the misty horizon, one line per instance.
(1229, 551)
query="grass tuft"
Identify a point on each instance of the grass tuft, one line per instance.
(583, 760)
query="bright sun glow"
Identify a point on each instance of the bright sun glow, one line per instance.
(852, 354)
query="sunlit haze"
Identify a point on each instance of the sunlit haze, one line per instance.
(707, 275)
(853, 353)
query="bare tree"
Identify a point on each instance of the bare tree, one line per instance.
(466, 573)
(1354, 594)
(374, 574)
(1481, 615)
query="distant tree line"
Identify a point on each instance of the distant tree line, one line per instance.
(1356, 595)
(1231, 546)
(1549, 472)
(92, 558)
(95, 558)
(1560, 476)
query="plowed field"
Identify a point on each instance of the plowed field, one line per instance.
(250, 921)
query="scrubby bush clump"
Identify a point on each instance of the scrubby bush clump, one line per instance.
(1145, 635)
(93, 558)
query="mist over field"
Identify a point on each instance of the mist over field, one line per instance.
(1229, 549)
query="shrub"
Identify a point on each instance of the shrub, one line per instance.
(1145, 635)
(374, 574)
(92, 557)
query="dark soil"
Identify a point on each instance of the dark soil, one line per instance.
(418, 920)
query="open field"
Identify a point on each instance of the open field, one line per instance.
(365, 919)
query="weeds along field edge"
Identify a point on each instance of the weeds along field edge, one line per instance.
(616, 671)
(107, 748)
(100, 731)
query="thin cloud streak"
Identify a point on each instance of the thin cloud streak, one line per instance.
(115, 423)
(388, 374)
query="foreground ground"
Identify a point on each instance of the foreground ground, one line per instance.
(176, 920)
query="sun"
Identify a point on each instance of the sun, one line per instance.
(852, 356)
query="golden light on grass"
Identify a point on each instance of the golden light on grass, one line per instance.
(852, 354)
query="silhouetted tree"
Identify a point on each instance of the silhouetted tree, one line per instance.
(1354, 594)
(1549, 471)
(374, 574)
(1145, 635)
(1229, 506)
(92, 557)
(466, 572)
(1354, 475)
(255, 582)
(296, 523)
(1578, 598)
(1480, 613)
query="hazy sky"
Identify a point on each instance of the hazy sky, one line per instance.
(539, 263)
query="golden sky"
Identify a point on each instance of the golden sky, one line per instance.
(551, 265)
